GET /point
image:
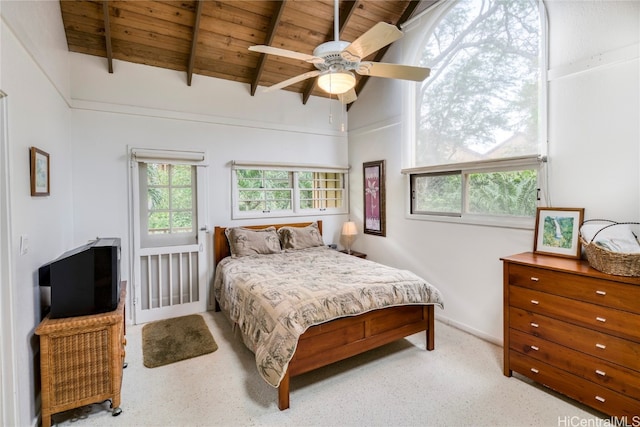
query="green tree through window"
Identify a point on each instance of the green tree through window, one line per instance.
(481, 103)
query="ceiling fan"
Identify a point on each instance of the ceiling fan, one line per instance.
(336, 60)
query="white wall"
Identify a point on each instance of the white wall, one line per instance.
(37, 116)
(594, 140)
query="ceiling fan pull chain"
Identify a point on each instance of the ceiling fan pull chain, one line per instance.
(330, 110)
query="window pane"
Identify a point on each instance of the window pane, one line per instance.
(158, 198)
(182, 222)
(159, 223)
(250, 183)
(437, 193)
(320, 190)
(270, 174)
(248, 195)
(181, 198)
(248, 173)
(181, 175)
(503, 193)
(278, 195)
(157, 174)
(252, 205)
(278, 205)
(481, 99)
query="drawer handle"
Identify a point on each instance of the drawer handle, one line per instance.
(601, 293)
(535, 279)
(535, 301)
(601, 346)
(600, 399)
(601, 319)
(534, 370)
(533, 347)
(535, 325)
(601, 373)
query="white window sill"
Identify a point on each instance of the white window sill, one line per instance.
(523, 223)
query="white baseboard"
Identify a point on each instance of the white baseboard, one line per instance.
(470, 330)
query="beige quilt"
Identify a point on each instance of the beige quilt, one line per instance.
(275, 298)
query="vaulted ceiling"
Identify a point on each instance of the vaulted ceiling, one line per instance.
(211, 38)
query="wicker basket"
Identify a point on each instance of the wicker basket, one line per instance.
(617, 263)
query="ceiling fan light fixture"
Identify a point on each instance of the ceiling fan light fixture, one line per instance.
(337, 82)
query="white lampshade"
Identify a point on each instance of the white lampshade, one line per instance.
(337, 82)
(349, 233)
(349, 229)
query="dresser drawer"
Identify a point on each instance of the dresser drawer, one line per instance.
(591, 394)
(617, 350)
(599, 371)
(603, 292)
(616, 322)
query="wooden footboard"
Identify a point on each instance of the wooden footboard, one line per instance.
(339, 339)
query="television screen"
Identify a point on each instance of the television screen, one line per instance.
(84, 280)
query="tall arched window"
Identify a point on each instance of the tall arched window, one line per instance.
(479, 124)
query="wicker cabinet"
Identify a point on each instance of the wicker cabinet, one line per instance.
(81, 360)
(575, 330)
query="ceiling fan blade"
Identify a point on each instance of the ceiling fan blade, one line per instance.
(270, 50)
(374, 39)
(348, 97)
(393, 71)
(292, 80)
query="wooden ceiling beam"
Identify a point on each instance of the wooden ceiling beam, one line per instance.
(271, 32)
(194, 42)
(107, 35)
(349, 6)
(404, 18)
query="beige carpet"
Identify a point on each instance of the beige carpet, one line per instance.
(171, 340)
(458, 384)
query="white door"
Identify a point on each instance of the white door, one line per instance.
(170, 262)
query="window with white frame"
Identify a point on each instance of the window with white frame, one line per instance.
(170, 195)
(167, 193)
(288, 190)
(479, 119)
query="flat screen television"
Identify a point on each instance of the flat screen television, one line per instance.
(84, 280)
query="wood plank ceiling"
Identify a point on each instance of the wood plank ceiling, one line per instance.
(211, 38)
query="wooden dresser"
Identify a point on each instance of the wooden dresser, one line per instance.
(575, 330)
(81, 360)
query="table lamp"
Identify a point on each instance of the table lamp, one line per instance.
(349, 233)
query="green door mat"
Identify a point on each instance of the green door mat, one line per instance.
(171, 340)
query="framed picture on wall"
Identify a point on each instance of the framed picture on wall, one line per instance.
(39, 167)
(557, 231)
(374, 198)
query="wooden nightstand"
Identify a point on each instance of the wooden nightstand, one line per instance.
(355, 253)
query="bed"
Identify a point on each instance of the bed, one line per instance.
(319, 328)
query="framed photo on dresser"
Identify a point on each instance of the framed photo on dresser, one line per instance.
(557, 232)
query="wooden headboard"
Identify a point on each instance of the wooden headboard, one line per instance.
(221, 244)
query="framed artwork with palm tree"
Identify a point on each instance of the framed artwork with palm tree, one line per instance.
(374, 198)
